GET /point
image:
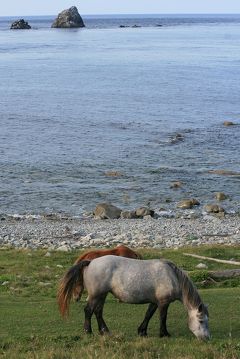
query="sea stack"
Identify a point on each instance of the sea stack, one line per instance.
(69, 18)
(20, 25)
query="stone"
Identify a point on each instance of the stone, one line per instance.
(48, 254)
(20, 25)
(201, 266)
(63, 248)
(195, 202)
(213, 208)
(224, 173)
(128, 214)
(107, 211)
(188, 203)
(69, 18)
(144, 211)
(220, 196)
(113, 174)
(176, 185)
(228, 123)
(44, 284)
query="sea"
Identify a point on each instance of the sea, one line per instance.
(117, 111)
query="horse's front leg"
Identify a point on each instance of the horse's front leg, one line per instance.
(142, 329)
(163, 320)
(102, 326)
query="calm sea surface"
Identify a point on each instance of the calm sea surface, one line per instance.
(147, 102)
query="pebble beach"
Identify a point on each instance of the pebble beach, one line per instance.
(66, 234)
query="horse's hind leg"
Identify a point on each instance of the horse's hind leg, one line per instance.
(88, 315)
(163, 320)
(102, 326)
(142, 329)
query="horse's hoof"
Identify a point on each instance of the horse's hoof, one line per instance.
(87, 331)
(167, 335)
(142, 333)
(104, 332)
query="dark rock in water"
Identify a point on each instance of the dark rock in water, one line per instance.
(135, 26)
(123, 26)
(20, 25)
(176, 138)
(107, 211)
(69, 18)
(159, 25)
(176, 185)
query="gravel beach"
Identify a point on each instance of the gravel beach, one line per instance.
(56, 233)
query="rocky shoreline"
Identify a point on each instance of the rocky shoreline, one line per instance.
(65, 234)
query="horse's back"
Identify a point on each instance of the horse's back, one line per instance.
(130, 280)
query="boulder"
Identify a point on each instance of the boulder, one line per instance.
(228, 123)
(220, 196)
(188, 203)
(107, 211)
(20, 25)
(213, 208)
(69, 18)
(128, 214)
(144, 211)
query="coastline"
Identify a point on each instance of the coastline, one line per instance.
(66, 234)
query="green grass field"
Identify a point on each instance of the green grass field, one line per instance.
(31, 327)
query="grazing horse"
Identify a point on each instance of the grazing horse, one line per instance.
(121, 251)
(157, 282)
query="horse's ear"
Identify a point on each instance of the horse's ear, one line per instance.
(200, 308)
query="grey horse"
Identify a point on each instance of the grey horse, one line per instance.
(157, 282)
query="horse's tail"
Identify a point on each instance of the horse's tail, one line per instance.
(73, 278)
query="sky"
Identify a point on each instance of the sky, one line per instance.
(47, 7)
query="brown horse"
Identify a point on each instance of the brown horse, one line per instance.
(121, 251)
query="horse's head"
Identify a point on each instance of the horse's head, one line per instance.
(198, 322)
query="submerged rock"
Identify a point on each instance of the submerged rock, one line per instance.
(228, 123)
(69, 18)
(220, 196)
(176, 185)
(20, 25)
(224, 173)
(107, 211)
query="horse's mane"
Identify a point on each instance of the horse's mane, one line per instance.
(190, 294)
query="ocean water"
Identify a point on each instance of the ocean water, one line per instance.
(147, 102)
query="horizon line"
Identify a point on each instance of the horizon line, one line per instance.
(135, 14)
